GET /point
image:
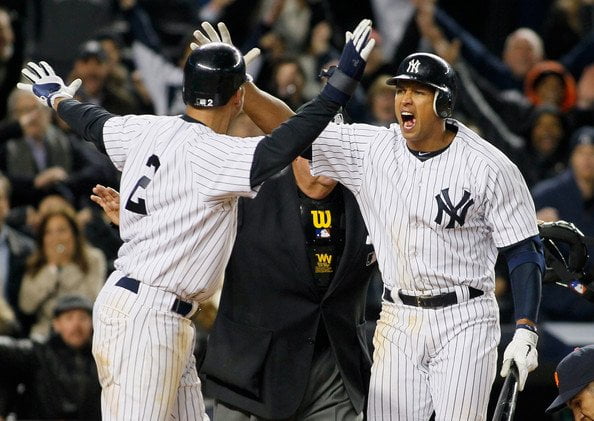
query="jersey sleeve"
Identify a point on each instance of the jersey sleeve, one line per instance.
(339, 153)
(118, 134)
(510, 209)
(221, 165)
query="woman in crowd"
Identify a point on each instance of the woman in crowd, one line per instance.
(62, 264)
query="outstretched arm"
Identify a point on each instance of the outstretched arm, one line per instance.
(85, 119)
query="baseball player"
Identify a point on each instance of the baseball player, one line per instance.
(440, 203)
(181, 179)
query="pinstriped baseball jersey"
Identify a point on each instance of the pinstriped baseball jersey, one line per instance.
(179, 189)
(435, 224)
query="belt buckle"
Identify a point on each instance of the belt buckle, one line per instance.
(421, 298)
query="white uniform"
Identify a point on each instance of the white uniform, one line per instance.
(179, 189)
(436, 226)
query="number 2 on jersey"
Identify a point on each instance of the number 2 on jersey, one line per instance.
(139, 206)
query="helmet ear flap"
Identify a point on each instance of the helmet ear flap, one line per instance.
(442, 103)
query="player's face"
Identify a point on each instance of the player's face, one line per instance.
(582, 405)
(75, 327)
(414, 111)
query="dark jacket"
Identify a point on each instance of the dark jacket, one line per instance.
(20, 248)
(60, 382)
(260, 351)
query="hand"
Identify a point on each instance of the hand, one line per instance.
(521, 350)
(225, 38)
(49, 177)
(45, 85)
(356, 50)
(109, 200)
(343, 79)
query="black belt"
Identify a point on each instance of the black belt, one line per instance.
(180, 307)
(431, 301)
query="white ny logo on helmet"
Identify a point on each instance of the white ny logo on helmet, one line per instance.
(413, 66)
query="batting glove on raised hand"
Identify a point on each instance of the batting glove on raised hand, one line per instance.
(45, 84)
(351, 64)
(521, 350)
(225, 37)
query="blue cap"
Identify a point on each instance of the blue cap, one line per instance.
(582, 136)
(572, 375)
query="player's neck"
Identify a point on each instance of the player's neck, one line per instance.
(432, 143)
(217, 119)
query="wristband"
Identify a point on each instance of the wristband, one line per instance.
(527, 326)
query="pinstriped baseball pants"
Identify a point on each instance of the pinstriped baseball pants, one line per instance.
(441, 360)
(144, 356)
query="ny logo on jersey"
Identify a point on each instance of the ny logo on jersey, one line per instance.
(413, 66)
(457, 213)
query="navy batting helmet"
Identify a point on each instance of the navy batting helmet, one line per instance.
(212, 74)
(434, 71)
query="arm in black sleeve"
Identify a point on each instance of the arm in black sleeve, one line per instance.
(526, 265)
(286, 142)
(86, 120)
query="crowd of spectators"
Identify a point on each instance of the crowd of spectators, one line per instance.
(526, 83)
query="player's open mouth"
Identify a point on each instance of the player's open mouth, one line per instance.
(408, 120)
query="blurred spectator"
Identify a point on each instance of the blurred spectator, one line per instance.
(288, 82)
(293, 24)
(162, 78)
(545, 152)
(585, 89)
(11, 57)
(57, 377)
(42, 160)
(92, 66)
(15, 248)
(547, 82)
(118, 73)
(63, 264)
(567, 22)
(95, 225)
(9, 324)
(380, 98)
(523, 49)
(570, 197)
(57, 26)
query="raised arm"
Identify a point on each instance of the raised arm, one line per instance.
(265, 110)
(84, 119)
